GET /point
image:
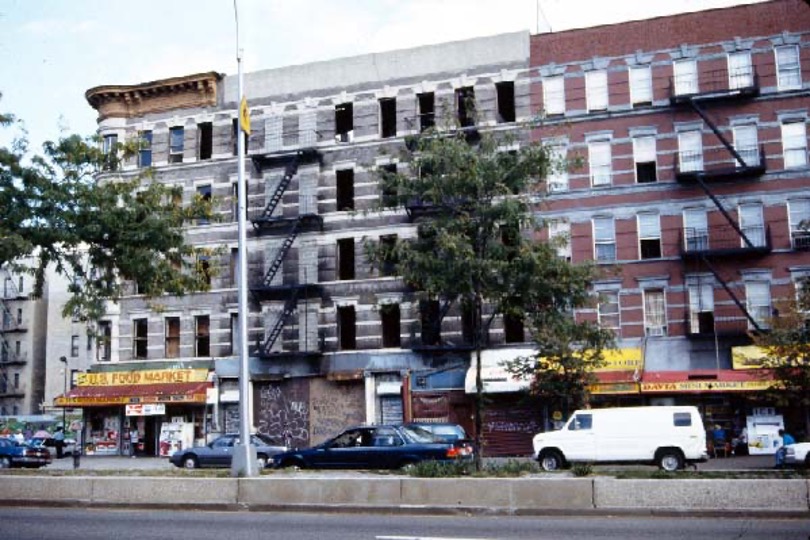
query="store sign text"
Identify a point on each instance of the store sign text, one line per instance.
(151, 376)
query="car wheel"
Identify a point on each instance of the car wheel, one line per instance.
(5, 462)
(261, 461)
(670, 460)
(807, 461)
(407, 466)
(551, 460)
(293, 464)
(190, 462)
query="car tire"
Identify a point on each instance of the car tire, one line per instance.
(5, 462)
(551, 460)
(261, 461)
(190, 462)
(294, 464)
(807, 461)
(669, 460)
(407, 465)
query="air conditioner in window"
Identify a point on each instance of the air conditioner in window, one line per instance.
(656, 331)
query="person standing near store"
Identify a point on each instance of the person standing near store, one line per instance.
(133, 441)
(59, 438)
(787, 439)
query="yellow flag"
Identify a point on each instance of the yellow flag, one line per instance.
(244, 116)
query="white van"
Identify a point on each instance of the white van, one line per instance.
(669, 437)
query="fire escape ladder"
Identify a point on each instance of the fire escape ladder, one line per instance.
(281, 254)
(724, 212)
(289, 172)
(731, 294)
(275, 331)
(713, 127)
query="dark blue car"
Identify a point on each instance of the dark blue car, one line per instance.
(374, 447)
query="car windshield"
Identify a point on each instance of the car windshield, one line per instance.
(419, 435)
(264, 440)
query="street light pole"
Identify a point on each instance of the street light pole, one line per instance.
(63, 359)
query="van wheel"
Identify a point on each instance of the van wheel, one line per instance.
(670, 460)
(551, 460)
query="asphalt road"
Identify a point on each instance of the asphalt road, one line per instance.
(81, 524)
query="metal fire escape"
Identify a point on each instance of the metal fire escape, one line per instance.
(267, 221)
(10, 324)
(706, 248)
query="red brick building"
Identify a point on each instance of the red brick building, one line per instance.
(687, 179)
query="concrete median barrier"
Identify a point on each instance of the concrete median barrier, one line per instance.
(146, 491)
(358, 492)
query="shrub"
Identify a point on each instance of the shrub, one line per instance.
(582, 469)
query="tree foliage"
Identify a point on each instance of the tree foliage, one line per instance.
(477, 246)
(69, 209)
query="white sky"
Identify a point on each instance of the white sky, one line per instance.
(52, 51)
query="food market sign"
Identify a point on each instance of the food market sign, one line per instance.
(148, 376)
(146, 409)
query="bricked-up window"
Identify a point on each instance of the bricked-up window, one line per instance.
(74, 346)
(465, 106)
(427, 110)
(140, 330)
(429, 311)
(655, 312)
(596, 90)
(205, 140)
(144, 149)
(608, 312)
(176, 144)
(202, 335)
(794, 144)
(506, 101)
(390, 318)
(599, 160)
(641, 92)
(788, 68)
(388, 117)
(554, 95)
(649, 236)
(172, 337)
(389, 193)
(685, 77)
(388, 265)
(345, 260)
(513, 329)
(344, 180)
(644, 157)
(604, 239)
(344, 122)
(347, 328)
(104, 341)
(235, 136)
(204, 192)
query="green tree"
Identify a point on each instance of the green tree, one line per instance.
(68, 208)
(476, 245)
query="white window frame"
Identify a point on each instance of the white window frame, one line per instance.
(604, 234)
(596, 90)
(758, 302)
(655, 312)
(695, 229)
(554, 94)
(685, 77)
(798, 212)
(557, 179)
(701, 300)
(690, 151)
(752, 223)
(649, 228)
(600, 163)
(746, 143)
(641, 90)
(176, 151)
(788, 67)
(794, 144)
(560, 229)
(740, 70)
(644, 151)
(603, 317)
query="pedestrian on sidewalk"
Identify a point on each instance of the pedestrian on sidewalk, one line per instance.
(133, 441)
(59, 439)
(787, 439)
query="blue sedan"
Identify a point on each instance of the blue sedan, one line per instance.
(374, 447)
(219, 452)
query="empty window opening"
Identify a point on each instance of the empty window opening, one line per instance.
(347, 328)
(346, 258)
(427, 110)
(465, 106)
(649, 235)
(205, 140)
(204, 193)
(345, 189)
(176, 143)
(172, 337)
(388, 117)
(140, 329)
(506, 101)
(513, 329)
(431, 323)
(388, 264)
(389, 188)
(390, 318)
(467, 324)
(344, 122)
(202, 335)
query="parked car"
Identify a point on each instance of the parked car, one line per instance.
(798, 454)
(219, 452)
(374, 447)
(49, 443)
(14, 454)
(668, 436)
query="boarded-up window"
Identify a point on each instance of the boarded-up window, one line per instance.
(172, 336)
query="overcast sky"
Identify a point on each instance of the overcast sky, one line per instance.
(52, 51)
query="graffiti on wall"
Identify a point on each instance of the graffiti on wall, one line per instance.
(335, 406)
(282, 411)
